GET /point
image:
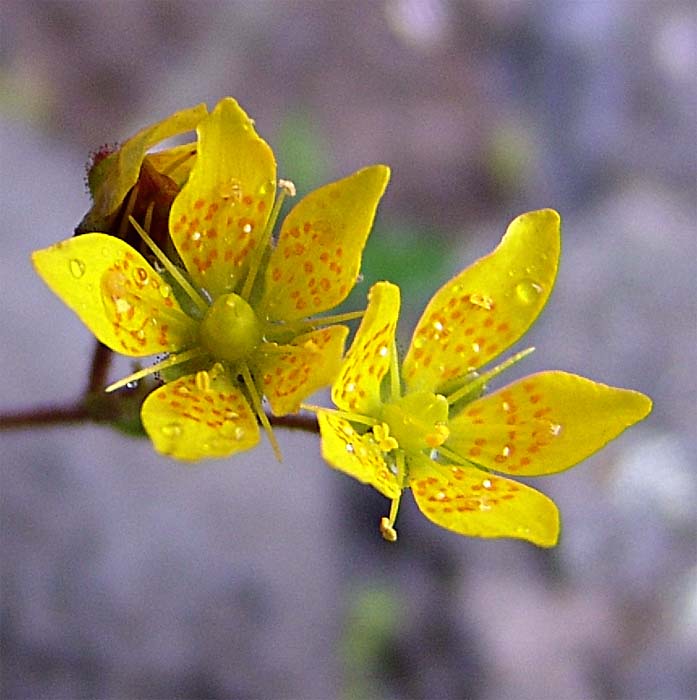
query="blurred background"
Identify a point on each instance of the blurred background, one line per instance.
(127, 575)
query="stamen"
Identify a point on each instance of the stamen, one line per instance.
(287, 188)
(179, 161)
(477, 384)
(321, 321)
(453, 457)
(395, 384)
(148, 216)
(346, 415)
(259, 410)
(170, 361)
(387, 529)
(385, 441)
(173, 270)
(130, 205)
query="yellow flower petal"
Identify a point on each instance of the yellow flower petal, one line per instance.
(357, 455)
(488, 306)
(203, 415)
(357, 388)
(476, 504)
(295, 371)
(544, 423)
(113, 177)
(318, 256)
(220, 214)
(116, 294)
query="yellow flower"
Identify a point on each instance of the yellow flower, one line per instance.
(236, 323)
(428, 427)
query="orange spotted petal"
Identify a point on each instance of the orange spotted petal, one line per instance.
(116, 294)
(476, 504)
(219, 216)
(292, 372)
(111, 179)
(488, 306)
(357, 455)
(357, 388)
(316, 261)
(544, 423)
(202, 415)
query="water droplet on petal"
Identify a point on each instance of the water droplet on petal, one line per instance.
(77, 268)
(171, 430)
(247, 228)
(349, 448)
(165, 290)
(132, 385)
(555, 429)
(486, 483)
(528, 291)
(383, 351)
(482, 301)
(230, 190)
(122, 306)
(239, 433)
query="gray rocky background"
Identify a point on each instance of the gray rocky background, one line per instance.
(125, 575)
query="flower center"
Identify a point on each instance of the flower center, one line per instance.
(418, 421)
(230, 330)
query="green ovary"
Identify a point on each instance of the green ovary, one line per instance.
(417, 421)
(230, 331)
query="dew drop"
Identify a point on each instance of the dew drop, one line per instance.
(528, 291)
(247, 228)
(349, 448)
(230, 190)
(506, 406)
(165, 290)
(171, 430)
(140, 334)
(555, 429)
(132, 385)
(77, 268)
(506, 451)
(482, 301)
(440, 496)
(476, 347)
(351, 386)
(438, 325)
(122, 306)
(383, 351)
(196, 236)
(486, 483)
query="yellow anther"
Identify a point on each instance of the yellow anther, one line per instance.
(387, 531)
(382, 436)
(203, 381)
(439, 435)
(288, 187)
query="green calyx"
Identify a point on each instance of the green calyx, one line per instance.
(230, 330)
